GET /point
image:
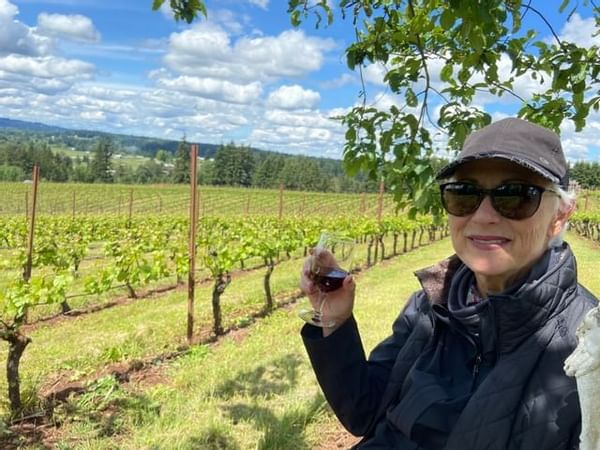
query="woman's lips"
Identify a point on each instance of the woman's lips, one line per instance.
(488, 242)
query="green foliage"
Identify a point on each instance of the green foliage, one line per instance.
(468, 39)
(11, 173)
(587, 174)
(101, 164)
(233, 165)
(186, 10)
(181, 170)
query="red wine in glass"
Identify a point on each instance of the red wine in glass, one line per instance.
(329, 278)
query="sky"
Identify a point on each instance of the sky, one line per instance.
(245, 74)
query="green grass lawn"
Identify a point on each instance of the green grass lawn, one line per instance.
(252, 389)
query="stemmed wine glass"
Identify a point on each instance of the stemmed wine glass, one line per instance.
(327, 273)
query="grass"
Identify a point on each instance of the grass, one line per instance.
(253, 389)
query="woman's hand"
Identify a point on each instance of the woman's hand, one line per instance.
(340, 302)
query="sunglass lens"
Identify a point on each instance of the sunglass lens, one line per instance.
(460, 199)
(516, 201)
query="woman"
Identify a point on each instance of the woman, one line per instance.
(475, 359)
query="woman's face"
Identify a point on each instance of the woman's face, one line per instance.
(498, 250)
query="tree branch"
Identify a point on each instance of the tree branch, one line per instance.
(529, 7)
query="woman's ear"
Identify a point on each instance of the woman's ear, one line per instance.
(560, 218)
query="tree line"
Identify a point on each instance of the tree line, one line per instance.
(232, 165)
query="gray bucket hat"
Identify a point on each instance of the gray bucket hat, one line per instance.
(531, 146)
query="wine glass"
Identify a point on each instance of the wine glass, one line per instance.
(327, 274)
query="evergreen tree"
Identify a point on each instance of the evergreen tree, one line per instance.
(267, 174)
(101, 165)
(302, 173)
(181, 169)
(234, 166)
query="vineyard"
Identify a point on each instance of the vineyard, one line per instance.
(106, 297)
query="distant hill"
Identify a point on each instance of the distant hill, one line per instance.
(30, 126)
(85, 140)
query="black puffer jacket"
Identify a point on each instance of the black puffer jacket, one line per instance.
(439, 383)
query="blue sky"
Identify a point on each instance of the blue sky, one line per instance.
(245, 74)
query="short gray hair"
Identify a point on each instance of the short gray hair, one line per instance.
(566, 201)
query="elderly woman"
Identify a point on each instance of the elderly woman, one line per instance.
(475, 359)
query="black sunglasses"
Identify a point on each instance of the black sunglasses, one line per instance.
(516, 201)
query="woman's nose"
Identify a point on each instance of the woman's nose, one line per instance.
(486, 212)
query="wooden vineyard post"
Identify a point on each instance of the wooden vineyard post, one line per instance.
(192, 243)
(130, 204)
(380, 201)
(362, 204)
(34, 188)
(280, 201)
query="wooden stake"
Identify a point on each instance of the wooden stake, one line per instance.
(130, 204)
(280, 201)
(362, 203)
(34, 188)
(380, 205)
(192, 242)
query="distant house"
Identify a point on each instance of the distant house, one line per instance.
(574, 187)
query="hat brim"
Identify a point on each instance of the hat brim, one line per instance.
(447, 171)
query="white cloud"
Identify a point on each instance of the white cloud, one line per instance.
(15, 37)
(374, 73)
(340, 81)
(307, 132)
(45, 66)
(93, 115)
(206, 50)
(214, 88)
(75, 27)
(293, 97)
(580, 31)
(260, 3)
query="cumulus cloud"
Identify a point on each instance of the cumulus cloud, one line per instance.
(206, 50)
(45, 67)
(374, 73)
(260, 3)
(293, 97)
(214, 88)
(15, 37)
(93, 115)
(75, 27)
(580, 31)
(339, 82)
(306, 132)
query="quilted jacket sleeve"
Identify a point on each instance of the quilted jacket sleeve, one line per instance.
(352, 384)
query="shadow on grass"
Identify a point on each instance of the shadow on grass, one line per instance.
(274, 378)
(284, 431)
(212, 439)
(284, 428)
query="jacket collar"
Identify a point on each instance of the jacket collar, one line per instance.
(524, 310)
